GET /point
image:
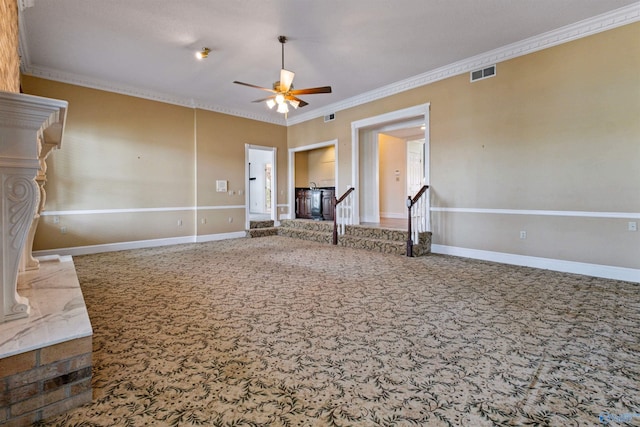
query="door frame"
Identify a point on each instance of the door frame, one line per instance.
(274, 182)
(292, 171)
(418, 112)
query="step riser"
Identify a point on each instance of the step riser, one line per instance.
(322, 226)
(298, 233)
(353, 230)
(376, 233)
(357, 243)
(262, 232)
(386, 247)
(260, 224)
(359, 237)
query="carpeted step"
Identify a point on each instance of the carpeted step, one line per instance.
(261, 224)
(378, 245)
(424, 246)
(308, 224)
(376, 233)
(262, 232)
(306, 234)
(356, 236)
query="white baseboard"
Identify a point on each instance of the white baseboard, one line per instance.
(595, 270)
(221, 236)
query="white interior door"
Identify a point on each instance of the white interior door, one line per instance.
(261, 189)
(415, 166)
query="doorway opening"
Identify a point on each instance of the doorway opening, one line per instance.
(390, 162)
(261, 178)
(322, 173)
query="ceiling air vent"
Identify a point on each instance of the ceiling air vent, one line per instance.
(329, 117)
(485, 73)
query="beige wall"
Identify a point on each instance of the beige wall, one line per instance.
(9, 58)
(155, 161)
(301, 162)
(220, 155)
(317, 165)
(322, 166)
(555, 130)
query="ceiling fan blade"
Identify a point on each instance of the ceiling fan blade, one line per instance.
(264, 99)
(311, 91)
(300, 102)
(254, 86)
(286, 78)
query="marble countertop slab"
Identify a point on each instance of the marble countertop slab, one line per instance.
(57, 309)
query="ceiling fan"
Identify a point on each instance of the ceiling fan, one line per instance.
(283, 91)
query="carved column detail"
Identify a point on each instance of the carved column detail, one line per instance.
(19, 199)
(27, 125)
(28, 262)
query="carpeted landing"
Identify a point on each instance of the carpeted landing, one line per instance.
(284, 332)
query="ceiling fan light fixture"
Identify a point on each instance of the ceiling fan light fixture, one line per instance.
(282, 108)
(202, 54)
(283, 93)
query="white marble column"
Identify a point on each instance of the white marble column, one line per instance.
(27, 125)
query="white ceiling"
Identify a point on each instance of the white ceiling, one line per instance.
(146, 47)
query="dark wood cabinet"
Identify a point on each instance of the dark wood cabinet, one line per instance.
(327, 204)
(304, 203)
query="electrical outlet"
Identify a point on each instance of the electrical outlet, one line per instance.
(523, 234)
(179, 223)
(56, 219)
(632, 226)
(203, 220)
(230, 220)
(63, 230)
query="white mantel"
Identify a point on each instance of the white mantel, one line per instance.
(30, 128)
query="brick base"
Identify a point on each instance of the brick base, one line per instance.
(41, 383)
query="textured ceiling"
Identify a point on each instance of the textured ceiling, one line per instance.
(146, 47)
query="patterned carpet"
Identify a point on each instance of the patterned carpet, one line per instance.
(282, 332)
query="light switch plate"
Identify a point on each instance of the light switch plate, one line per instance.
(221, 186)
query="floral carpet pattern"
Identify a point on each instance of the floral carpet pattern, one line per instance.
(283, 332)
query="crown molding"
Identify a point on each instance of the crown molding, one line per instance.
(268, 118)
(79, 80)
(607, 21)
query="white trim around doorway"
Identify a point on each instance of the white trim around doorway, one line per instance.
(274, 182)
(380, 121)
